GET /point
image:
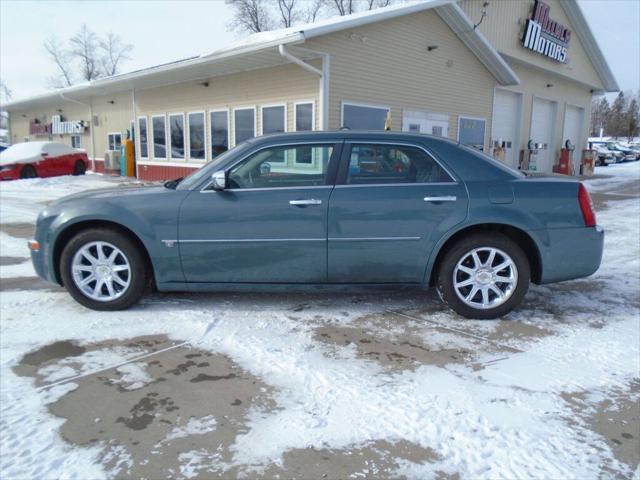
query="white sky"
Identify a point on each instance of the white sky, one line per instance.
(165, 30)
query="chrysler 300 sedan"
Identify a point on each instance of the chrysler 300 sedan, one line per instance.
(327, 208)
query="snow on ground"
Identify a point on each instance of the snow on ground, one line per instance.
(507, 419)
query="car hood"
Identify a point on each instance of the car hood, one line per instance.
(112, 193)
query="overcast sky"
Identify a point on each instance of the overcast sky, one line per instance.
(165, 30)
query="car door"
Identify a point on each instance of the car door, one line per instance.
(269, 225)
(391, 204)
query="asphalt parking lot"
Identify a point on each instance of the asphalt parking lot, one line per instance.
(326, 385)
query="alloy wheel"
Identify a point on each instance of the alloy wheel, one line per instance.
(101, 271)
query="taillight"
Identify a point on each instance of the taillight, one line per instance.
(586, 205)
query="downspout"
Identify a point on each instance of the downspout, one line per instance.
(324, 80)
(93, 143)
(134, 128)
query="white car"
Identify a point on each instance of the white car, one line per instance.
(604, 156)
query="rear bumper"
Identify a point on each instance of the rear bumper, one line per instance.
(570, 253)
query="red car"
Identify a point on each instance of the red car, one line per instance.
(41, 159)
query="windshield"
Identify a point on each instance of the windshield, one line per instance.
(207, 169)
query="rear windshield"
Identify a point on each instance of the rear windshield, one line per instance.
(483, 156)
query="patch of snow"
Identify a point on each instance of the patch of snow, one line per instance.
(13, 247)
(24, 269)
(134, 376)
(195, 426)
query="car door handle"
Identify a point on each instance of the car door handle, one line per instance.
(303, 203)
(446, 198)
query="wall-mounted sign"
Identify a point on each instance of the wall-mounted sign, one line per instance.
(59, 127)
(546, 36)
(38, 128)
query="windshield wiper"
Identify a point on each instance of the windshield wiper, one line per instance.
(172, 184)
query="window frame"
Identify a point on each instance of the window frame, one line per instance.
(153, 138)
(358, 104)
(188, 135)
(255, 123)
(484, 136)
(109, 134)
(77, 136)
(139, 137)
(210, 134)
(341, 179)
(313, 114)
(184, 136)
(273, 105)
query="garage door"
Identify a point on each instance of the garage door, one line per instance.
(543, 117)
(506, 123)
(572, 130)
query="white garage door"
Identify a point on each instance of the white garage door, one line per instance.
(543, 118)
(573, 118)
(506, 123)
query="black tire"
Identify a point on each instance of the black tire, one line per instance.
(79, 168)
(445, 280)
(28, 172)
(134, 256)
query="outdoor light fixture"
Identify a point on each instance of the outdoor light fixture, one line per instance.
(431, 48)
(205, 84)
(111, 102)
(59, 110)
(549, 85)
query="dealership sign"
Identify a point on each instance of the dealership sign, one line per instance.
(546, 36)
(57, 127)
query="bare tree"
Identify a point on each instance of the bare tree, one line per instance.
(287, 12)
(344, 7)
(313, 10)
(114, 51)
(85, 48)
(250, 15)
(5, 92)
(62, 59)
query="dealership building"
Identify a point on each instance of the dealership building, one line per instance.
(508, 77)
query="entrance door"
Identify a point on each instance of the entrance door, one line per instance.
(505, 124)
(573, 121)
(425, 122)
(543, 120)
(268, 226)
(392, 203)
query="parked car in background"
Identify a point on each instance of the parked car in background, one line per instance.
(3, 146)
(41, 159)
(627, 154)
(604, 156)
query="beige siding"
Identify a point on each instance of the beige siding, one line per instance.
(387, 63)
(504, 26)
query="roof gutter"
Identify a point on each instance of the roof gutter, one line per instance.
(322, 73)
(93, 141)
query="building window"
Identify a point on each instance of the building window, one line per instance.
(176, 135)
(159, 130)
(114, 141)
(75, 141)
(219, 124)
(244, 124)
(197, 142)
(471, 132)
(142, 132)
(363, 117)
(274, 119)
(384, 164)
(304, 116)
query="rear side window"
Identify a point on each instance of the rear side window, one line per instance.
(381, 164)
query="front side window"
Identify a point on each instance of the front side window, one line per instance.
(176, 135)
(264, 169)
(304, 117)
(75, 141)
(219, 124)
(383, 164)
(273, 119)
(196, 136)
(144, 145)
(159, 126)
(361, 117)
(244, 124)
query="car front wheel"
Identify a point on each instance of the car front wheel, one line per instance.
(484, 276)
(103, 270)
(79, 168)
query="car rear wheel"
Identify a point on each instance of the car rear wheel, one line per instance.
(79, 168)
(103, 270)
(484, 276)
(28, 172)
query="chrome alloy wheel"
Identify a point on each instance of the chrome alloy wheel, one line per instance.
(101, 271)
(485, 278)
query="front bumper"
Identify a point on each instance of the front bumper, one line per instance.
(11, 174)
(570, 253)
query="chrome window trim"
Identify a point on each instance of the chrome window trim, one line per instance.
(352, 142)
(286, 144)
(262, 189)
(361, 185)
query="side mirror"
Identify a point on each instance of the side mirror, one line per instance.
(219, 180)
